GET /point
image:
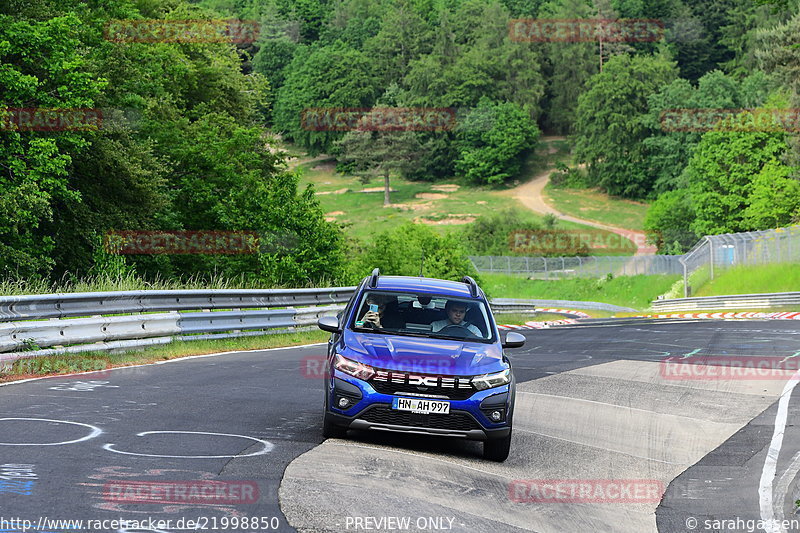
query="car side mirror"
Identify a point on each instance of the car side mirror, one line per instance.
(331, 324)
(514, 340)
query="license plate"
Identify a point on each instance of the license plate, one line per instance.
(421, 406)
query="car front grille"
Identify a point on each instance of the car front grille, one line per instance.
(450, 387)
(455, 421)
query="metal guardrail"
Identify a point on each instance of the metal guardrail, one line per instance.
(67, 305)
(734, 301)
(510, 305)
(65, 323)
(35, 325)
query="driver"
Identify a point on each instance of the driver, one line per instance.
(455, 317)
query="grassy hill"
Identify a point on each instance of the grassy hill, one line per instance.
(591, 204)
(445, 206)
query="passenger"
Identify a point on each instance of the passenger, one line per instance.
(380, 318)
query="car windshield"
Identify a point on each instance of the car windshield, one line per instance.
(407, 313)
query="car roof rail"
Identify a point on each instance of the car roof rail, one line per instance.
(473, 287)
(373, 279)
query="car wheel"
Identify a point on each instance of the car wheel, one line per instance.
(497, 449)
(332, 431)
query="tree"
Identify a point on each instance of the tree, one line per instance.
(776, 50)
(668, 152)
(492, 141)
(472, 57)
(721, 172)
(775, 198)
(403, 37)
(35, 165)
(409, 248)
(570, 65)
(195, 156)
(379, 153)
(668, 222)
(611, 122)
(322, 78)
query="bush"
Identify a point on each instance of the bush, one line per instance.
(569, 178)
(514, 232)
(493, 141)
(668, 222)
(406, 249)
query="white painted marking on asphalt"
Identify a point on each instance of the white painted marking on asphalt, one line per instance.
(83, 386)
(771, 462)
(783, 486)
(268, 446)
(95, 432)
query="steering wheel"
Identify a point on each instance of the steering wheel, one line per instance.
(460, 328)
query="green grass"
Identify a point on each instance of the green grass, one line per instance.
(71, 363)
(362, 214)
(779, 277)
(629, 291)
(131, 282)
(593, 205)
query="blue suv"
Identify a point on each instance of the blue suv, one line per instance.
(423, 356)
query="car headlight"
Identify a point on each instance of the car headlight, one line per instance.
(488, 381)
(353, 368)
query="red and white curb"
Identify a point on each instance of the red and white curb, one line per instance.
(547, 323)
(718, 316)
(714, 316)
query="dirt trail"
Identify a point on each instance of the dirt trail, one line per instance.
(531, 195)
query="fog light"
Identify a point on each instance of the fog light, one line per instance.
(496, 416)
(343, 402)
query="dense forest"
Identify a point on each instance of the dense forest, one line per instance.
(202, 151)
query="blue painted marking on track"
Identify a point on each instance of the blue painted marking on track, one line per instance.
(20, 487)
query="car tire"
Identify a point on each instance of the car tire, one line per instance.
(332, 431)
(497, 449)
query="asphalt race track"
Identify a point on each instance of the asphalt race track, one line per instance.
(596, 404)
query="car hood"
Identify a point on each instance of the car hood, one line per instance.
(423, 355)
